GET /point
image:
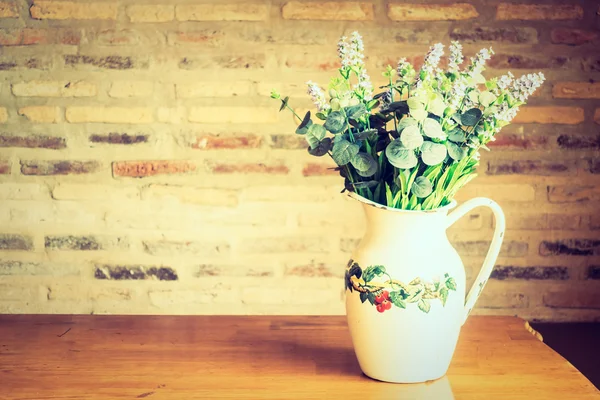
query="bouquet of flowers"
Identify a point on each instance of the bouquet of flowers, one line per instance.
(416, 143)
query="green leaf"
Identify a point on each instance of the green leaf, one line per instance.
(284, 103)
(455, 151)
(411, 137)
(336, 122)
(373, 271)
(486, 98)
(371, 298)
(343, 151)
(451, 283)
(315, 134)
(437, 107)
(363, 297)
(471, 117)
(364, 135)
(322, 148)
(414, 104)
(406, 122)
(443, 295)
(424, 306)
(433, 129)
(397, 299)
(389, 198)
(356, 111)
(419, 114)
(365, 164)
(399, 156)
(421, 187)
(414, 295)
(432, 153)
(457, 135)
(321, 116)
(304, 125)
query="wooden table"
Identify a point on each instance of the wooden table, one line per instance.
(218, 357)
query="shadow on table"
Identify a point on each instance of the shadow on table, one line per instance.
(327, 359)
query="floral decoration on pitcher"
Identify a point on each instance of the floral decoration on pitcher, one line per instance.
(385, 293)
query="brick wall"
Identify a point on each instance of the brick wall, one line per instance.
(143, 168)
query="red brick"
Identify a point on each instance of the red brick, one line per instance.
(32, 141)
(550, 115)
(43, 168)
(573, 297)
(5, 167)
(207, 37)
(8, 9)
(151, 13)
(228, 61)
(328, 10)
(214, 142)
(313, 169)
(311, 61)
(520, 61)
(9, 63)
(597, 116)
(510, 11)
(518, 141)
(248, 168)
(576, 90)
(491, 34)
(222, 12)
(312, 270)
(117, 37)
(578, 142)
(140, 169)
(50, 9)
(573, 194)
(530, 167)
(572, 37)
(431, 12)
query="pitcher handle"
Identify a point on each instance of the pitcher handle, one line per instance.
(492, 255)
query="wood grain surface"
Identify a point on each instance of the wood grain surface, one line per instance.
(259, 357)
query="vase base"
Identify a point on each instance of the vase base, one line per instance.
(392, 379)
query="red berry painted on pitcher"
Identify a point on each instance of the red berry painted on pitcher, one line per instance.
(380, 298)
(386, 304)
(380, 307)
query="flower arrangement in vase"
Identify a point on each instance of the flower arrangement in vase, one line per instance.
(417, 142)
(404, 153)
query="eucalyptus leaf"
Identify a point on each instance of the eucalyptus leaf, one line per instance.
(437, 107)
(433, 129)
(486, 98)
(421, 187)
(457, 135)
(343, 151)
(411, 137)
(398, 106)
(419, 114)
(414, 104)
(406, 122)
(364, 164)
(284, 103)
(433, 153)
(456, 152)
(322, 148)
(336, 122)
(364, 135)
(321, 116)
(399, 156)
(315, 134)
(356, 111)
(471, 117)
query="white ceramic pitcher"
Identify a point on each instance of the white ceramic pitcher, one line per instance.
(405, 290)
